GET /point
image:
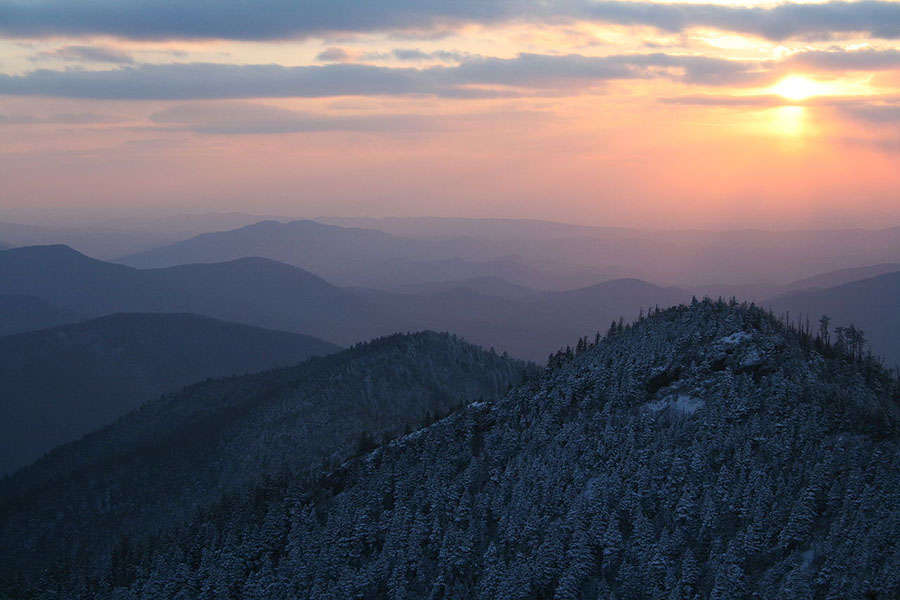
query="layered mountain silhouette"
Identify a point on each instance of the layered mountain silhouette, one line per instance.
(20, 313)
(61, 383)
(270, 294)
(217, 441)
(490, 285)
(114, 238)
(361, 257)
(249, 290)
(708, 451)
(872, 305)
(391, 253)
(96, 241)
(842, 276)
(329, 250)
(487, 311)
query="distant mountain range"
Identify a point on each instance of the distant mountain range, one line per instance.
(19, 313)
(153, 469)
(392, 253)
(113, 238)
(61, 383)
(366, 257)
(871, 304)
(270, 294)
(705, 451)
(489, 311)
(842, 276)
(251, 290)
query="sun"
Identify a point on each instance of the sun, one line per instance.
(797, 87)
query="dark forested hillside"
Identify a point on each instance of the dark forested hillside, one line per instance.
(154, 468)
(705, 452)
(58, 384)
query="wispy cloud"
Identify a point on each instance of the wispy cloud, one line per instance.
(279, 19)
(761, 101)
(527, 71)
(334, 54)
(874, 113)
(848, 60)
(57, 119)
(237, 118)
(96, 54)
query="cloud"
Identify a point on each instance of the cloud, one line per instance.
(279, 19)
(779, 22)
(843, 60)
(884, 109)
(182, 81)
(410, 54)
(232, 118)
(238, 19)
(249, 118)
(416, 55)
(62, 119)
(333, 55)
(762, 101)
(212, 80)
(873, 114)
(97, 54)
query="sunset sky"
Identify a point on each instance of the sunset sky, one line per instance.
(633, 113)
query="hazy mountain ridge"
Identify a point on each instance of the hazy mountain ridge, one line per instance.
(303, 243)
(537, 254)
(487, 286)
(266, 293)
(705, 452)
(262, 292)
(249, 290)
(871, 304)
(842, 276)
(155, 467)
(20, 313)
(449, 227)
(61, 383)
(99, 241)
(111, 239)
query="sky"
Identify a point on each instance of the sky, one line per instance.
(631, 113)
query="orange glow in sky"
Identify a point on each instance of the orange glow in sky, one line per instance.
(584, 116)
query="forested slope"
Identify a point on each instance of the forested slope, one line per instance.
(60, 383)
(705, 452)
(62, 519)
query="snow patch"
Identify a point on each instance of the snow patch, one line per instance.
(752, 358)
(680, 402)
(735, 338)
